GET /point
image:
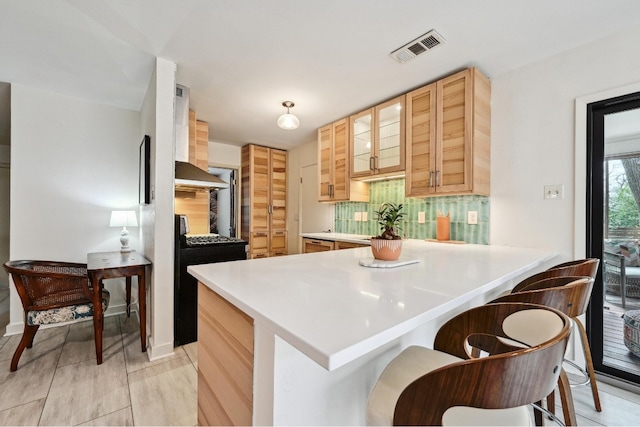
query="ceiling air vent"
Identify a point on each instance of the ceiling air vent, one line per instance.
(418, 46)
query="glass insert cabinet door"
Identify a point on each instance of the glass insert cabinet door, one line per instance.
(390, 135)
(377, 139)
(362, 143)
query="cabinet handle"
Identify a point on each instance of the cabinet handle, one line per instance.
(330, 190)
(372, 165)
(278, 233)
(375, 162)
(430, 178)
(437, 178)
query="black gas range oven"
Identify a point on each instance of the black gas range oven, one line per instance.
(194, 250)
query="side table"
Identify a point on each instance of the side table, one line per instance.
(110, 265)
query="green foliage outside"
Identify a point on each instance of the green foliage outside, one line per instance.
(623, 208)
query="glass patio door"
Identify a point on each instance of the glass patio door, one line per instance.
(613, 230)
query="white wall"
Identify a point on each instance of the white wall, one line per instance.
(161, 237)
(72, 162)
(225, 155)
(298, 157)
(532, 140)
(4, 223)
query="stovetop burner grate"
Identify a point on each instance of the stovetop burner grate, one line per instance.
(208, 239)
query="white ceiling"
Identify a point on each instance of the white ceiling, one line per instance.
(243, 58)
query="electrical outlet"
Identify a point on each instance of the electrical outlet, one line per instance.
(554, 191)
(421, 218)
(472, 217)
(357, 216)
(365, 216)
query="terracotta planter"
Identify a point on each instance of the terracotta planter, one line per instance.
(386, 250)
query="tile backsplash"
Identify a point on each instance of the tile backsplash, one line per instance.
(393, 191)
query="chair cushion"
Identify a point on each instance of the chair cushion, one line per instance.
(627, 248)
(632, 272)
(411, 364)
(65, 314)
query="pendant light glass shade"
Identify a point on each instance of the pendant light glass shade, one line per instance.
(288, 121)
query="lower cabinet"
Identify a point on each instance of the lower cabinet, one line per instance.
(348, 245)
(317, 245)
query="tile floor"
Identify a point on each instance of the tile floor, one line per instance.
(58, 382)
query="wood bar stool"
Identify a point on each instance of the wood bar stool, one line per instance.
(580, 267)
(448, 385)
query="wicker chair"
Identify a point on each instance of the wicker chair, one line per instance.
(618, 276)
(51, 292)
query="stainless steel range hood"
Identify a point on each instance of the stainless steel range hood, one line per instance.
(189, 177)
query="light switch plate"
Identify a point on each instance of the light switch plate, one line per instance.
(365, 216)
(472, 217)
(357, 216)
(421, 218)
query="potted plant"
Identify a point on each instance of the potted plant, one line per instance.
(388, 245)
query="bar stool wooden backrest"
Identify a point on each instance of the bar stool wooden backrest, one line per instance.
(512, 379)
(577, 268)
(571, 295)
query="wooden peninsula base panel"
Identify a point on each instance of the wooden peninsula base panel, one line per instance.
(225, 362)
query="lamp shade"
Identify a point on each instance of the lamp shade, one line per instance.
(123, 219)
(288, 121)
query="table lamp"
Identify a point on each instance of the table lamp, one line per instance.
(124, 219)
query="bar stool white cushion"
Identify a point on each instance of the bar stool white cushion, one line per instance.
(411, 364)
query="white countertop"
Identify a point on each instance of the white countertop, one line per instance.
(341, 237)
(334, 310)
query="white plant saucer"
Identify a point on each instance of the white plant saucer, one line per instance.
(377, 263)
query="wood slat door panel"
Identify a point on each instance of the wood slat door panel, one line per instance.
(202, 145)
(278, 190)
(421, 141)
(278, 243)
(453, 132)
(260, 191)
(225, 361)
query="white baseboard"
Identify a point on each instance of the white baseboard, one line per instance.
(155, 352)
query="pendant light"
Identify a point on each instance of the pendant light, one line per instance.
(288, 121)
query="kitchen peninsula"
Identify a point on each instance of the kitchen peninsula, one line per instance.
(302, 339)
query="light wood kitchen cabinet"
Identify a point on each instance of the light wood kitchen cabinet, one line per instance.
(195, 204)
(310, 245)
(377, 140)
(449, 136)
(347, 245)
(334, 184)
(264, 196)
(316, 245)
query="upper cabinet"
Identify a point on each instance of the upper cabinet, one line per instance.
(334, 184)
(377, 138)
(448, 136)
